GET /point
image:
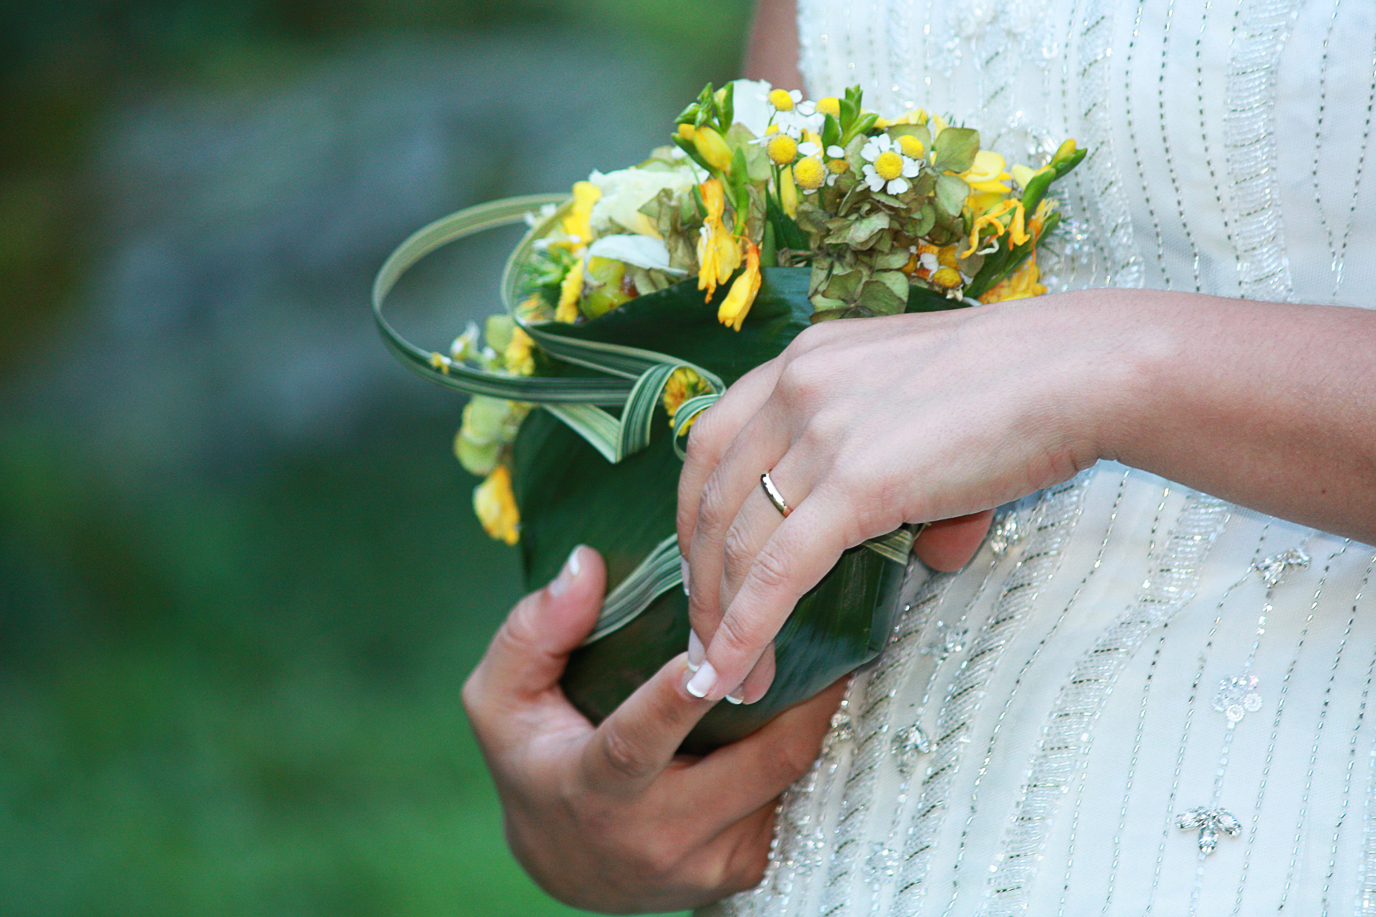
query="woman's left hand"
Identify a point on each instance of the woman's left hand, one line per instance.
(863, 425)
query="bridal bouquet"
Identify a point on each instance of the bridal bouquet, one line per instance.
(633, 302)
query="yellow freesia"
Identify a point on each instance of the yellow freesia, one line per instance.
(719, 251)
(1017, 233)
(577, 222)
(711, 146)
(1023, 283)
(741, 296)
(987, 172)
(495, 505)
(569, 291)
(519, 357)
(788, 192)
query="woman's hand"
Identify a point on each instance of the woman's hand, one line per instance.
(610, 818)
(863, 425)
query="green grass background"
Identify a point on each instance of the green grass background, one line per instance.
(229, 684)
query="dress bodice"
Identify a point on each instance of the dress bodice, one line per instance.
(1136, 699)
(1230, 141)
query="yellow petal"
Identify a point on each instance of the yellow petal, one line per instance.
(712, 148)
(741, 296)
(495, 505)
(569, 290)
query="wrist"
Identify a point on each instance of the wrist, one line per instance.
(1132, 344)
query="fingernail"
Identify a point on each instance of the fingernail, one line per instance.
(684, 562)
(702, 681)
(696, 651)
(735, 697)
(566, 576)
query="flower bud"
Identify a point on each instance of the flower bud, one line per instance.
(711, 146)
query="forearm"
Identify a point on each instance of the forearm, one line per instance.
(1269, 405)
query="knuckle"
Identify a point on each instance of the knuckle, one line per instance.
(772, 567)
(806, 377)
(623, 755)
(736, 553)
(738, 636)
(661, 861)
(712, 513)
(519, 634)
(702, 437)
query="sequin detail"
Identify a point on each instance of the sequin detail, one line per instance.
(1211, 822)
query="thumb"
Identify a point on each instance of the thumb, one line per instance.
(531, 648)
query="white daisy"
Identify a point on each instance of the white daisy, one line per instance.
(886, 168)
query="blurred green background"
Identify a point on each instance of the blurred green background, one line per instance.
(240, 582)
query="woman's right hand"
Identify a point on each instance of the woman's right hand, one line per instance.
(610, 818)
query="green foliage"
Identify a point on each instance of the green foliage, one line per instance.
(235, 691)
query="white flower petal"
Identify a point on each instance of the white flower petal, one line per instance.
(750, 101)
(898, 185)
(640, 251)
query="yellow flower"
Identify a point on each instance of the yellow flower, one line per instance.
(782, 99)
(809, 173)
(788, 193)
(911, 146)
(577, 222)
(683, 384)
(829, 106)
(709, 144)
(1017, 233)
(913, 116)
(741, 296)
(719, 252)
(986, 173)
(518, 356)
(947, 278)
(1023, 283)
(495, 505)
(1024, 174)
(782, 149)
(569, 290)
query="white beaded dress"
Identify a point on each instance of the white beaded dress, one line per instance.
(1136, 699)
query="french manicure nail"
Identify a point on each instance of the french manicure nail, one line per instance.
(684, 562)
(696, 651)
(735, 697)
(567, 575)
(702, 680)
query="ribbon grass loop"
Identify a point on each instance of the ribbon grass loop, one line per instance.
(657, 574)
(608, 392)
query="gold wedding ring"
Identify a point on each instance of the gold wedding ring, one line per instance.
(774, 496)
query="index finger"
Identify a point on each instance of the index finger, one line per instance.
(633, 746)
(795, 558)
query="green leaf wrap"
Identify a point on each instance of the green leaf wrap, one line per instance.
(569, 495)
